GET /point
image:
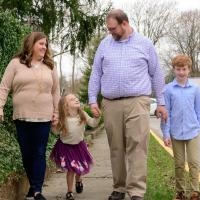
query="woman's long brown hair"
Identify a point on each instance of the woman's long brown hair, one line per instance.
(63, 110)
(26, 53)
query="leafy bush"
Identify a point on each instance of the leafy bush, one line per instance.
(11, 34)
(170, 76)
(10, 156)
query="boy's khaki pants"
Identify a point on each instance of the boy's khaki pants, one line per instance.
(127, 125)
(187, 150)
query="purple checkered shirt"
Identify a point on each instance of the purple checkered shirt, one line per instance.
(126, 68)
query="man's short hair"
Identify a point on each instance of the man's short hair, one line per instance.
(117, 14)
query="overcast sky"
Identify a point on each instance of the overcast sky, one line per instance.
(182, 5)
(188, 4)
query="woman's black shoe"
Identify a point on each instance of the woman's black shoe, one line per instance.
(30, 194)
(39, 196)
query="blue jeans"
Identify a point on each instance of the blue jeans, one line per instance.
(33, 138)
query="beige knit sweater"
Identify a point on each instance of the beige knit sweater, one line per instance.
(76, 130)
(35, 91)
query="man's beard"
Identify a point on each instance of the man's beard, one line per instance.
(117, 37)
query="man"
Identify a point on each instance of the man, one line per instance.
(126, 69)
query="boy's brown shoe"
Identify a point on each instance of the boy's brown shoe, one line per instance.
(180, 196)
(195, 196)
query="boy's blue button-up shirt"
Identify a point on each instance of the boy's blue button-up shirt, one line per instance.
(183, 106)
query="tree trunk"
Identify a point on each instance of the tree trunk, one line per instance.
(73, 72)
(60, 67)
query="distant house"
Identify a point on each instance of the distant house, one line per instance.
(195, 80)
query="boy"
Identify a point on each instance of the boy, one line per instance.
(183, 126)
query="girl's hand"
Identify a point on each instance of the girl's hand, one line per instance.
(54, 129)
(54, 120)
(167, 142)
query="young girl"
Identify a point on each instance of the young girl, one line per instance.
(70, 152)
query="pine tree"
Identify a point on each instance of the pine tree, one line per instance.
(51, 16)
(83, 92)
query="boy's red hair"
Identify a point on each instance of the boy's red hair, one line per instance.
(181, 61)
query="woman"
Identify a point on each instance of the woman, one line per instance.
(33, 79)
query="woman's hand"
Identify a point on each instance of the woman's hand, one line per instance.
(54, 120)
(1, 118)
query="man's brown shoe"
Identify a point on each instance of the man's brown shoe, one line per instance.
(180, 196)
(117, 196)
(195, 196)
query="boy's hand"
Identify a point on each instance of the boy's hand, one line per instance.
(161, 112)
(167, 142)
(95, 110)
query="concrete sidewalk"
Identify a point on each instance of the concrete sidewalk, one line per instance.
(97, 184)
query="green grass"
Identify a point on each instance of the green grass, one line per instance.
(160, 179)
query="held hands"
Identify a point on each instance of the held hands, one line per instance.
(167, 142)
(161, 112)
(95, 110)
(54, 120)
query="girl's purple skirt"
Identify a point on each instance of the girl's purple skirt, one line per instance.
(72, 157)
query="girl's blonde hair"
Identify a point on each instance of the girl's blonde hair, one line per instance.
(63, 110)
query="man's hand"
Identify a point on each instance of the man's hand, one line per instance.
(167, 142)
(161, 112)
(95, 110)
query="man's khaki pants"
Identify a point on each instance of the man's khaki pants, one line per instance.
(191, 148)
(127, 126)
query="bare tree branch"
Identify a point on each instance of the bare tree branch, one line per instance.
(151, 18)
(185, 35)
